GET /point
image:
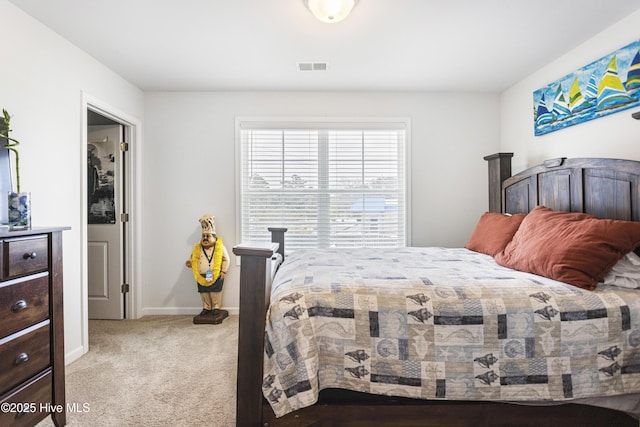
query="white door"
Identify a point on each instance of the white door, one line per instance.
(105, 230)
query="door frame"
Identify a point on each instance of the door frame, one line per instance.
(132, 199)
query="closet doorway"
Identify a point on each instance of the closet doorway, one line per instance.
(107, 216)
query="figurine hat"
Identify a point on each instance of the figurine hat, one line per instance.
(208, 225)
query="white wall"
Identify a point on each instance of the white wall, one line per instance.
(189, 170)
(42, 78)
(616, 135)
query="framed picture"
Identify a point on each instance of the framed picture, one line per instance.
(606, 86)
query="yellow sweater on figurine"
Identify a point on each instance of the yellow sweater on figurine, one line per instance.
(209, 262)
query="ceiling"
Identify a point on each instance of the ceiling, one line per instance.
(385, 45)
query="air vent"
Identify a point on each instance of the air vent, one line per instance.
(312, 66)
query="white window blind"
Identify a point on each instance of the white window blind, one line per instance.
(331, 185)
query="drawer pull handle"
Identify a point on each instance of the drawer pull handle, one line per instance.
(31, 255)
(21, 358)
(19, 306)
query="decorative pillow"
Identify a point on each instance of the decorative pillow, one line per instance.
(575, 248)
(493, 232)
(626, 272)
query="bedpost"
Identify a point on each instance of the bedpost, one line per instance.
(255, 288)
(499, 169)
(277, 236)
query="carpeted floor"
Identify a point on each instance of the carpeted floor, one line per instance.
(154, 371)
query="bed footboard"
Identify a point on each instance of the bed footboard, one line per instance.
(256, 273)
(277, 236)
(255, 287)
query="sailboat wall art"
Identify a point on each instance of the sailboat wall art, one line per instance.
(608, 85)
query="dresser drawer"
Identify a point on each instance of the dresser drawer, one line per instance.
(25, 256)
(23, 355)
(23, 302)
(28, 403)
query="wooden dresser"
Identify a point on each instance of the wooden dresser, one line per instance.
(31, 327)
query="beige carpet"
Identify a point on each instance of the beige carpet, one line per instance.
(155, 371)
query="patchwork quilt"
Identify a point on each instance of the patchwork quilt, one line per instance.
(442, 323)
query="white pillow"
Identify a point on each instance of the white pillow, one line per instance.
(626, 272)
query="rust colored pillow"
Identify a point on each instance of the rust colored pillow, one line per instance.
(493, 232)
(575, 248)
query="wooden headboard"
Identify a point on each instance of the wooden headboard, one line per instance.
(606, 188)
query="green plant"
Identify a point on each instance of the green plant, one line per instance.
(10, 143)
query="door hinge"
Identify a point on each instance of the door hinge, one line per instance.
(124, 288)
(124, 146)
(124, 217)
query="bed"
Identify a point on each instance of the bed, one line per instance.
(454, 336)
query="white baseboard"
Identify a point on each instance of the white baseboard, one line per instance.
(73, 355)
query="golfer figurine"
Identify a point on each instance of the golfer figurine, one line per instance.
(209, 262)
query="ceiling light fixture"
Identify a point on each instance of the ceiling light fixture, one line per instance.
(330, 11)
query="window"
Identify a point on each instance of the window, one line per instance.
(338, 184)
